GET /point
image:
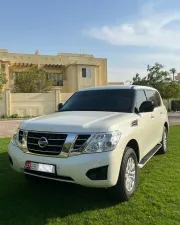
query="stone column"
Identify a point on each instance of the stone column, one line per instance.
(57, 97)
(7, 102)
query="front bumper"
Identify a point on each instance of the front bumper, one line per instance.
(75, 167)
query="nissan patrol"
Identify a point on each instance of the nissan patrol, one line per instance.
(99, 138)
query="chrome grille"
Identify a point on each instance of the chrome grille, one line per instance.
(54, 146)
(80, 141)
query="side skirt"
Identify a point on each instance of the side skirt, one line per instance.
(149, 155)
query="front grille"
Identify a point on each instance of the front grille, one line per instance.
(54, 146)
(80, 141)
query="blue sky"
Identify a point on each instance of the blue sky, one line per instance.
(130, 33)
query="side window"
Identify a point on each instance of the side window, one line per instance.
(149, 95)
(140, 98)
(157, 99)
(154, 97)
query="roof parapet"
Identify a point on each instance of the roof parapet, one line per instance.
(3, 50)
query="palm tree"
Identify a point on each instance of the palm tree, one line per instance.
(173, 71)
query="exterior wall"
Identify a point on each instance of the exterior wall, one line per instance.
(102, 73)
(32, 104)
(177, 77)
(65, 87)
(2, 105)
(86, 82)
(115, 83)
(71, 76)
(65, 96)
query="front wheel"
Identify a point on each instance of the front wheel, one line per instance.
(128, 176)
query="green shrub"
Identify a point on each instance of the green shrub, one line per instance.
(3, 116)
(14, 116)
(175, 105)
(27, 116)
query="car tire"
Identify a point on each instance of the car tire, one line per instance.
(128, 176)
(164, 142)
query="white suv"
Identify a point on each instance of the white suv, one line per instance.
(100, 138)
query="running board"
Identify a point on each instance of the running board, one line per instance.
(149, 155)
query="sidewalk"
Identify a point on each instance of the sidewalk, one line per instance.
(7, 127)
(174, 114)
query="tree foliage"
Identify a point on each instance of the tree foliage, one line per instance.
(32, 81)
(3, 80)
(159, 79)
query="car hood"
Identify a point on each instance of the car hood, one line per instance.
(76, 121)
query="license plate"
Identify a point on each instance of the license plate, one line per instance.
(41, 167)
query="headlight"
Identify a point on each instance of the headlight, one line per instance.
(14, 138)
(103, 142)
(19, 138)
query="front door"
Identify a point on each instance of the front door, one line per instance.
(146, 125)
(153, 96)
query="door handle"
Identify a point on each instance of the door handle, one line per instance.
(161, 113)
(152, 117)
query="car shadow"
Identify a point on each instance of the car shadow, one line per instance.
(36, 203)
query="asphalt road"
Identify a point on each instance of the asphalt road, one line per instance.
(7, 127)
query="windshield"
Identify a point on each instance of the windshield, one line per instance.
(114, 100)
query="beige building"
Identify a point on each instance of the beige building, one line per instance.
(115, 83)
(72, 71)
(178, 77)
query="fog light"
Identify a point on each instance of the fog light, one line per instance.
(99, 173)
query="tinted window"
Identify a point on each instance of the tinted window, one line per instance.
(140, 98)
(149, 95)
(83, 72)
(116, 100)
(154, 97)
(157, 99)
(86, 72)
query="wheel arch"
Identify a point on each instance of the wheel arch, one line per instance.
(134, 145)
(166, 126)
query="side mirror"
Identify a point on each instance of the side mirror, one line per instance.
(147, 106)
(60, 105)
